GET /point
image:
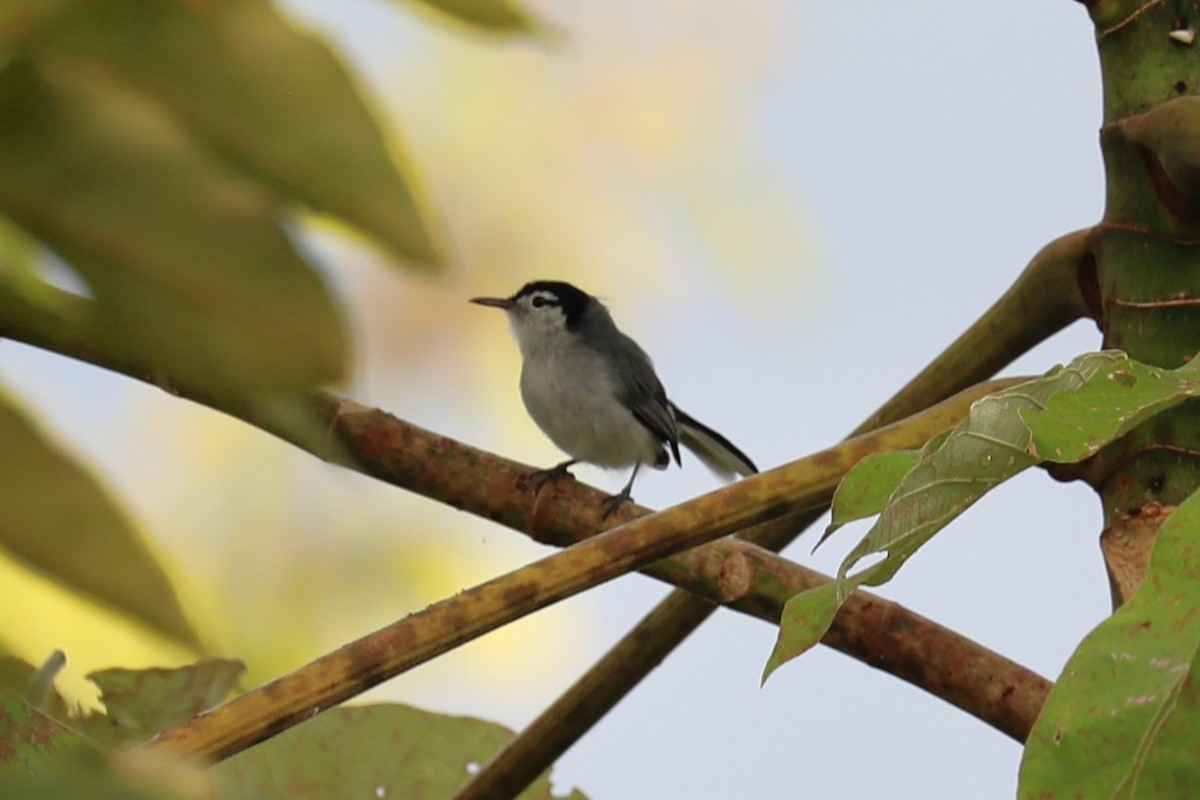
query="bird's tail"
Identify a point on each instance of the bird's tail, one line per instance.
(718, 453)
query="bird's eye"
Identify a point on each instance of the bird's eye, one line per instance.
(538, 302)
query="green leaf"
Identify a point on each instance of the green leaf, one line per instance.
(143, 702)
(274, 99)
(1123, 720)
(493, 16)
(59, 521)
(864, 491)
(993, 444)
(1113, 401)
(805, 619)
(191, 273)
(370, 751)
(952, 473)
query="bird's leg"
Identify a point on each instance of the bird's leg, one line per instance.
(543, 476)
(611, 504)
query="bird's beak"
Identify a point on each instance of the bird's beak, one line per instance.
(494, 302)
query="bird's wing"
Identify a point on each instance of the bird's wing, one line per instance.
(639, 388)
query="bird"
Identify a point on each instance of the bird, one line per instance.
(594, 392)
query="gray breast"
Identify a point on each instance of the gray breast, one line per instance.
(570, 392)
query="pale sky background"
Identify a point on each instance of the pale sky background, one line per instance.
(793, 209)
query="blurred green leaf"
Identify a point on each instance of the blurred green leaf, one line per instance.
(21, 274)
(35, 684)
(18, 254)
(493, 16)
(1123, 720)
(77, 778)
(40, 759)
(18, 17)
(61, 522)
(29, 739)
(191, 273)
(274, 99)
(370, 751)
(139, 703)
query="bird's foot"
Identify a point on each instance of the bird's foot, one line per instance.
(536, 480)
(610, 504)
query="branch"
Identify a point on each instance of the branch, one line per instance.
(1056, 288)
(732, 572)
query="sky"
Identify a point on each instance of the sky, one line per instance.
(792, 207)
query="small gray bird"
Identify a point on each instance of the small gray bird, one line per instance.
(593, 391)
